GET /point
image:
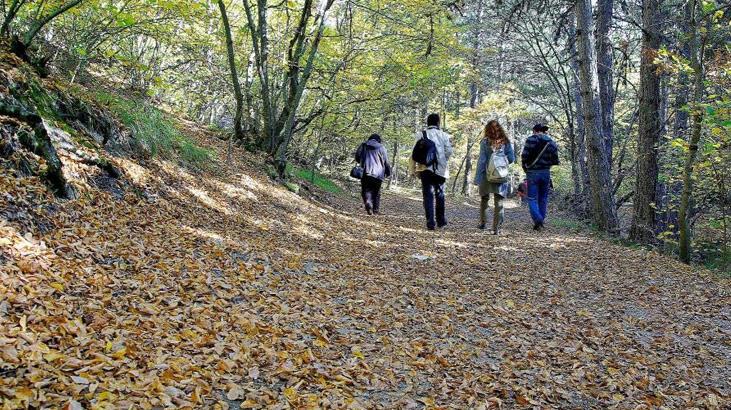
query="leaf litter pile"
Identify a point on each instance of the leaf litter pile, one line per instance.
(219, 289)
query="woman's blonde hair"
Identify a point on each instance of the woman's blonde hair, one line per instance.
(495, 134)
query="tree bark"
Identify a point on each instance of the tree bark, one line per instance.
(697, 51)
(467, 169)
(10, 16)
(579, 135)
(394, 163)
(31, 34)
(280, 107)
(238, 95)
(649, 127)
(604, 213)
(605, 65)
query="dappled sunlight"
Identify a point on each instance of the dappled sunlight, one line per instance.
(25, 244)
(470, 205)
(211, 236)
(251, 183)
(235, 192)
(446, 242)
(203, 197)
(308, 231)
(137, 174)
(178, 171)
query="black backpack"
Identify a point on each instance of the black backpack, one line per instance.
(425, 152)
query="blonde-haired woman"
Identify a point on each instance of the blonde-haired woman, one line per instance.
(494, 140)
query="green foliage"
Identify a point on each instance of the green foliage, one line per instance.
(568, 224)
(319, 180)
(152, 127)
(719, 260)
(562, 182)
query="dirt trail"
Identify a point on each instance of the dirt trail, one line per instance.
(193, 289)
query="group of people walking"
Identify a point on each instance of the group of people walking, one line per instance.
(430, 162)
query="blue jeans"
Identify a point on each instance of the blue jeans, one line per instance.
(432, 188)
(538, 184)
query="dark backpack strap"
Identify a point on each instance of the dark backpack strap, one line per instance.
(540, 154)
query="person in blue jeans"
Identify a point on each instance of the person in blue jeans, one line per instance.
(540, 153)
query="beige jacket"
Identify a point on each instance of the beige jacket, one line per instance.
(444, 152)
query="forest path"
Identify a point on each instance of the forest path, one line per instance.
(184, 289)
(458, 316)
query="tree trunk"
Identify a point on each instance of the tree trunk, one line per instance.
(681, 97)
(697, 51)
(669, 192)
(35, 28)
(238, 126)
(605, 64)
(604, 213)
(467, 169)
(579, 131)
(394, 164)
(649, 127)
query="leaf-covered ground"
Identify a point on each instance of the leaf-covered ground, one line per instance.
(181, 289)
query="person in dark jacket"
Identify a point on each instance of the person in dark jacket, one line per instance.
(540, 153)
(372, 156)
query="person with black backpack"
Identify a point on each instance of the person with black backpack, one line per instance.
(429, 160)
(373, 159)
(493, 172)
(540, 153)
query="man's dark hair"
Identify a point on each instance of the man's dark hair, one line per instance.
(375, 137)
(432, 120)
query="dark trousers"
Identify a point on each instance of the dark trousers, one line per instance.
(432, 189)
(370, 191)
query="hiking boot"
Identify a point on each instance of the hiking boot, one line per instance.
(537, 226)
(481, 226)
(441, 225)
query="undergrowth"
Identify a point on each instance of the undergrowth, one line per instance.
(319, 180)
(155, 130)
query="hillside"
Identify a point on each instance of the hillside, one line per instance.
(171, 282)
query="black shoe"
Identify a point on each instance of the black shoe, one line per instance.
(481, 226)
(368, 210)
(376, 212)
(429, 228)
(537, 226)
(441, 225)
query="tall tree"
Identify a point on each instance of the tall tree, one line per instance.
(605, 67)
(581, 173)
(603, 209)
(649, 126)
(698, 38)
(238, 95)
(281, 101)
(20, 44)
